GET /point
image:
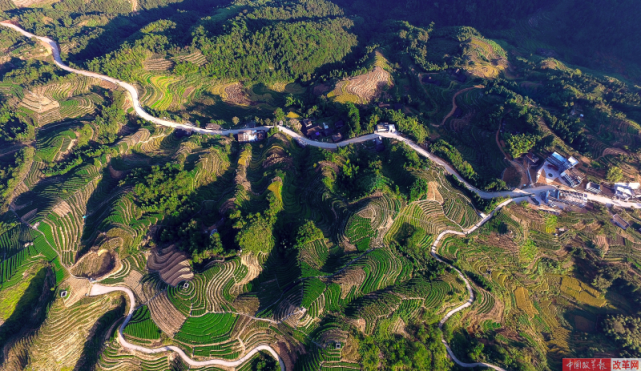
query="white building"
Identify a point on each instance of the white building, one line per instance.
(627, 191)
(247, 136)
(384, 127)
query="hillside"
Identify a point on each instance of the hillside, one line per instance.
(317, 185)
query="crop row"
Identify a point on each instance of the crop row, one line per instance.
(142, 326)
(359, 232)
(437, 294)
(112, 358)
(312, 289)
(228, 350)
(9, 266)
(208, 329)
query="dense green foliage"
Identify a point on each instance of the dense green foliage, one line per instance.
(421, 352)
(326, 252)
(627, 331)
(307, 233)
(162, 190)
(281, 52)
(12, 173)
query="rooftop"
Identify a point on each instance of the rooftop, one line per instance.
(620, 222)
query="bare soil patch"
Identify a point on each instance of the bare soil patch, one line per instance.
(172, 265)
(321, 89)
(235, 94)
(94, 264)
(165, 315)
(62, 208)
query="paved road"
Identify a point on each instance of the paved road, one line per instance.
(470, 292)
(517, 193)
(421, 151)
(97, 289)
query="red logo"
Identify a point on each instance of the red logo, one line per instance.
(587, 364)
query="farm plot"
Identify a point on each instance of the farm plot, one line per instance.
(210, 328)
(50, 144)
(523, 301)
(165, 315)
(362, 89)
(461, 213)
(157, 63)
(189, 298)
(115, 358)
(220, 280)
(312, 257)
(141, 325)
(235, 94)
(172, 265)
(359, 232)
(62, 337)
(582, 292)
(426, 215)
(379, 269)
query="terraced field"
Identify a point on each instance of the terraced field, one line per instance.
(192, 283)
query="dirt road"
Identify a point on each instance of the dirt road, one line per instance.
(454, 106)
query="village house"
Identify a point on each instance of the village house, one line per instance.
(247, 136)
(568, 197)
(307, 123)
(385, 127)
(626, 191)
(618, 221)
(567, 170)
(572, 177)
(593, 187)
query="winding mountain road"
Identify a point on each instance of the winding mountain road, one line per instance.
(98, 289)
(470, 292)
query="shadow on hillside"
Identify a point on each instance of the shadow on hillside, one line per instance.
(100, 332)
(30, 311)
(96, 208)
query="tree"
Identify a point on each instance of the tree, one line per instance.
(213, 247)
(185, 68)
(308, 232)
(279, 115)
(235, 120)
(615, 174)
(255, 234)
(354, 120)
(371, 123)
(419, 189)
(519, 144)
(626, 330)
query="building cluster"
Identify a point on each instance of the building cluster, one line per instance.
(593, 188)
(318, 131)
(247, 136)
(572, 198)
(627, 191)
(566, 169)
